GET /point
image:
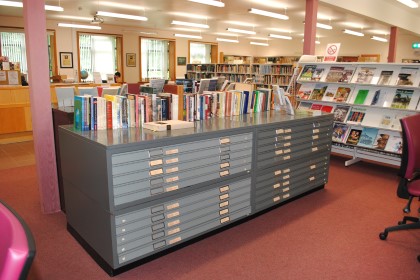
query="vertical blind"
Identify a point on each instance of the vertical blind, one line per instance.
(154, 59)
(13, 46)
(97, 54)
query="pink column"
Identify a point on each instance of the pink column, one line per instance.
(310, 27)
(392, 51)
(39, 90)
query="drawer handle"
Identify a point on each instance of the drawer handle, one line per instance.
(172, 179)
(224, 173)
(279, 131)
(171, 152)
(172, 215)
(224, 141)
(277, 198)
(288, 130)
(279, 152)
(286, 183)
(156, 172)
(224, 212)
(223, 196)
(275, 186)
(170, 189)
(286, 157)
(155, 162)
(172, 206)
(172, 160)
(315, 131)
(277, 172)
(287, 170)
(173, 231)
(224, 165)
(224, 189)
(286, 195)
(314, 137)
(286, 189)
(224, 204)
(224, 220)
(172, 170)
(175, 240)
(174, 223)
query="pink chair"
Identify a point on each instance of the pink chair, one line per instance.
(17, 245)
(409, 185)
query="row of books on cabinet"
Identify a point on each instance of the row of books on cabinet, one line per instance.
(356, 115)
(133, 110)
(368, 137)
(384, 75)
(399, 98)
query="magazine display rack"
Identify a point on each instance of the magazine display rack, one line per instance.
(368, 100)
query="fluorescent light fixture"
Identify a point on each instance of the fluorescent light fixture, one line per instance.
(186, 29)
(79, 26)
(268, 14)
(188, 36)
(280, 36)
(355, 33)
(409, 3)
(323, 26)
(259, 44)
(191, 24)
(215, 3)
(380, 39)
(20, 5)
(227, 40)
(241, 31)
(124, 16)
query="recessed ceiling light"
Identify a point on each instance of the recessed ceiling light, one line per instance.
(192, 24)
(268, 14)
(323, 26)
(20, 5)
(241, 31)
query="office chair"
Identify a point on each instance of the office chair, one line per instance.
(17, 245)
(409, 185)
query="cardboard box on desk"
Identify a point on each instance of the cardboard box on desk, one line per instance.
(167, 125)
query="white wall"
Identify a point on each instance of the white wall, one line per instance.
(350, 45)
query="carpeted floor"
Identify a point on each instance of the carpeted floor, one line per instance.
(330, 234)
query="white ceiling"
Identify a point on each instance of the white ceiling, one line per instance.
(160, 14)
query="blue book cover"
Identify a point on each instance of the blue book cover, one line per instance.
(78, 112)
(368, 136)
(246, 93)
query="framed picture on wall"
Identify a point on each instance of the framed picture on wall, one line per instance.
(181, 60)
(131, 59)
(66, 60)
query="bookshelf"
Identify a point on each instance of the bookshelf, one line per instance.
(265, 71)
(368, 100)
(132, 194)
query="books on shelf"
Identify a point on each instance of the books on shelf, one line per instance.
(330, 92)
(364, 75)
(360, 97)
(367, 137)
(305, 90)
(407, 76)
(394, 143)
(340, 74)
(307, 72)
(318, 92)
(356, 115)
(303, 105)
(353, 136)
(339, 132)
(381, 139)
(319, 73)
(316, 107)
(340, 113)
(385, 77)
(342, 94)
(378, 97)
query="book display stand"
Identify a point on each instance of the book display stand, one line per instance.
(368, 100)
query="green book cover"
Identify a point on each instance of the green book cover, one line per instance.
(78, 112)
(361, 96)
(256, 101)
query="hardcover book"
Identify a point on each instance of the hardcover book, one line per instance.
(356, 115)
(385, 77)
(335, 74)
(342, 94)
(381, 140)
(305, 91)
(361, 96)
(327, 108)
(339, 132)
(318, 92)
(402, 98)
(307, 72)
(354, 136)
(318, 73)
(316, 107)
(394, 143)
(407, 76)
(365, 75)
(330, 92)
(340, 113)
(368, 136)
(303, 105)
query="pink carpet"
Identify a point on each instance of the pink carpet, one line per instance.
(330, 234)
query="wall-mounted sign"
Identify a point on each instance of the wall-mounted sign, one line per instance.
(415, 45)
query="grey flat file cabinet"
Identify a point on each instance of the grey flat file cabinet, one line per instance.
(134, 194)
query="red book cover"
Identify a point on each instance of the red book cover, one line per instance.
(109, 114)
(100, 91)
(327, 108)
(207, 107)
(316, 106)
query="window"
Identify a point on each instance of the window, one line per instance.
(12, 45)
(200, 53)
(98, 53)
(154, 59)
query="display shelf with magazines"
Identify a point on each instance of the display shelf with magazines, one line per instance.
(367, 100)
